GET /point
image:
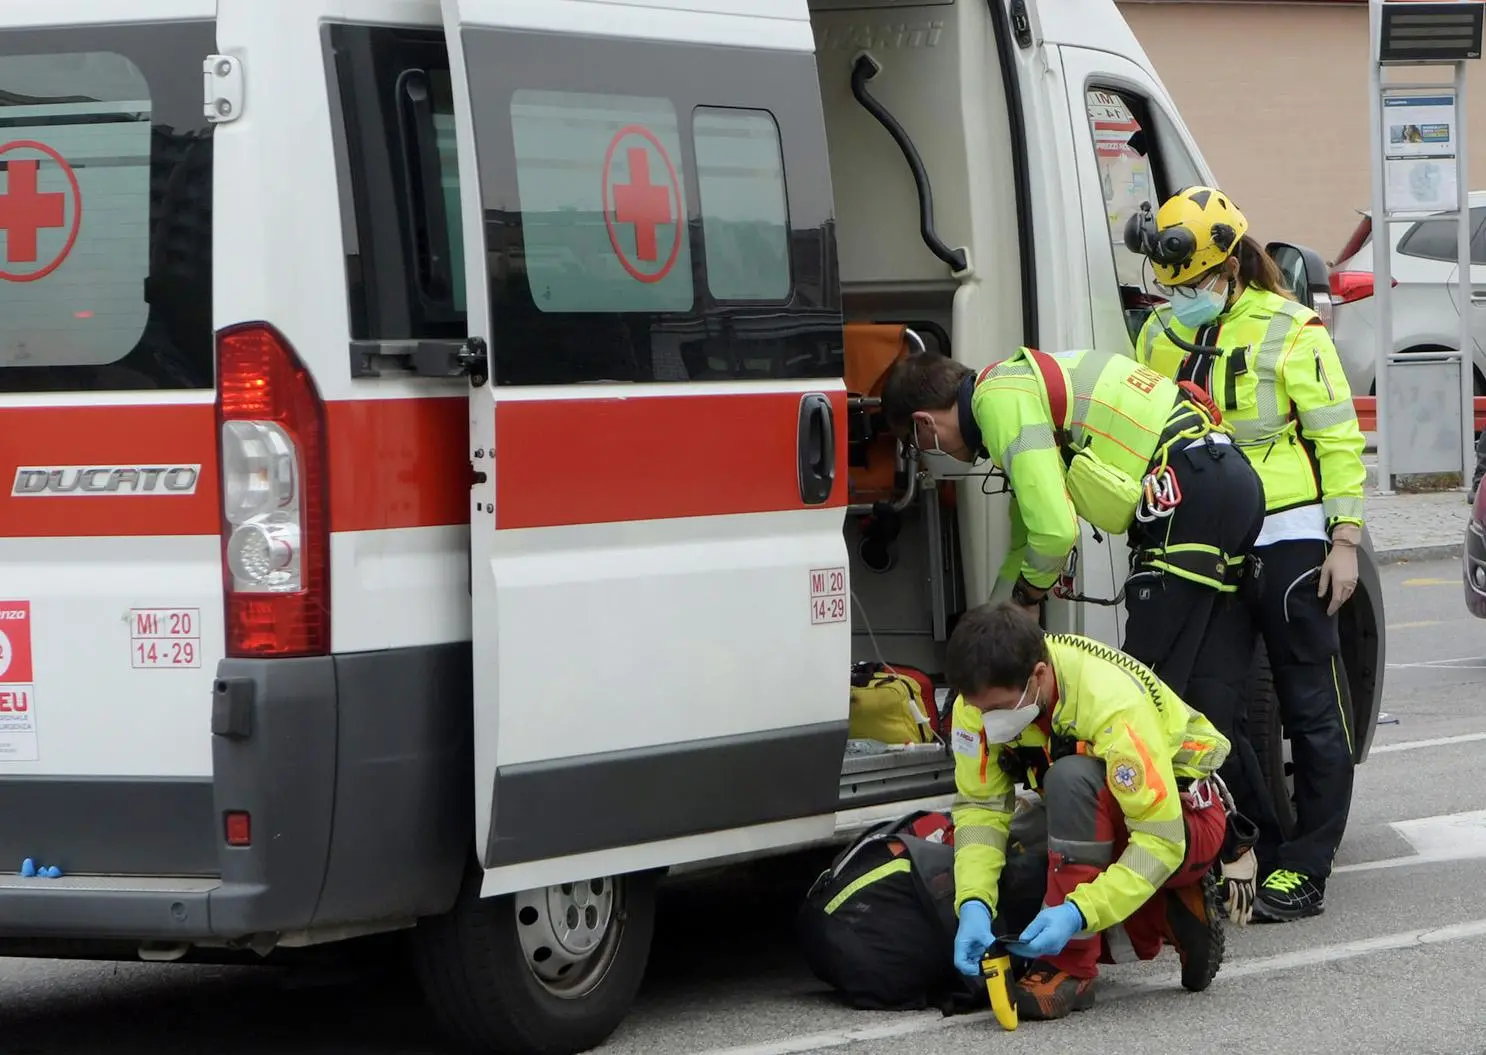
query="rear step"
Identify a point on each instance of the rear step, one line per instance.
(893, 776)
(88, 906)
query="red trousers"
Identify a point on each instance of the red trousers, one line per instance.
(1141, 934)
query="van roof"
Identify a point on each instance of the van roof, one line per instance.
(73, 12)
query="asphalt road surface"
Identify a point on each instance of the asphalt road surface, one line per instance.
(1395, 964)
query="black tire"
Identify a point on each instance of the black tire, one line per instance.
(1268, 737)
(476, 980)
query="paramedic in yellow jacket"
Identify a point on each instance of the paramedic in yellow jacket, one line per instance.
(1194, 508)
(1134, 817)
(1280, 385)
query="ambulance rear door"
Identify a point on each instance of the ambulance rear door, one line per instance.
(659, 576)
(110, 546)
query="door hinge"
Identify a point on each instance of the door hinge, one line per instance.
(222, 88)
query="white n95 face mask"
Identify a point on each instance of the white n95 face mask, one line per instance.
(1006, 725)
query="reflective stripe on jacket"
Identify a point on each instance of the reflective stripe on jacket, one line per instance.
(1280, 385)
(1147, 737)
(1117, 406)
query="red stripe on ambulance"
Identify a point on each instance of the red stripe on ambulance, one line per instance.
(404, 463)
(394, 463)
(75, 441)
(399, 463)
(614, 459)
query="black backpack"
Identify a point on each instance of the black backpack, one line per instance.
(879, 925)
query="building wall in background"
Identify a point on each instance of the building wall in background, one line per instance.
(1276, 96)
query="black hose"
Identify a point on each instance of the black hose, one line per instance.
(1026, 234)
(864, 70)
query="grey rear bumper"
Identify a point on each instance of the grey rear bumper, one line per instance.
(356, 771)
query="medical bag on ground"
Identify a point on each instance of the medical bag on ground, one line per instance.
(893, 704)
(879, 925)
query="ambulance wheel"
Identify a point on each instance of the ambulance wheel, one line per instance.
(543, 972)
(1267, 734)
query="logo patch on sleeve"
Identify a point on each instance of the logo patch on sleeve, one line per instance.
(1126, 774)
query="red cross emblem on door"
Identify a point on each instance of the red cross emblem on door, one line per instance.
(642, 204)
(41, 210)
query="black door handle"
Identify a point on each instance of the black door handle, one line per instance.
(817, 446)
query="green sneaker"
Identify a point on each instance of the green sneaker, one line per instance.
(1287, 895)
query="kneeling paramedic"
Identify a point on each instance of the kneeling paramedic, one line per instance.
(1137, 453)
(1135, 814)
(1234, 328)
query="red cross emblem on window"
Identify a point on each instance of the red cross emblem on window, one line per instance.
(642, 204)
(40, 224)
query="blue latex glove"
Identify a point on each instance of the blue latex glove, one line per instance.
(973, 938)
(1052, 929)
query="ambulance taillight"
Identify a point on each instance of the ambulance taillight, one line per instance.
(275, 539)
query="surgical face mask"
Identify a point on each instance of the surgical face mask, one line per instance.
(936, 450)
(1194, 307)
(1003, 726)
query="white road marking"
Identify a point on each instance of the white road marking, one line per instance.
(1438, 741)
(1450, 837)
(1345, 950)
(931, 1021)
(1458, 663)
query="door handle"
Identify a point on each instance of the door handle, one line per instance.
(1478, 296)
(817, 448)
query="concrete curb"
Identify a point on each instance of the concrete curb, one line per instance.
(1401, 554)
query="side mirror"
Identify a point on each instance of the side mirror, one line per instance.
(1306, 275)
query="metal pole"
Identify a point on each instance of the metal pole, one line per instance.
(1382, 264)
(1467, 346)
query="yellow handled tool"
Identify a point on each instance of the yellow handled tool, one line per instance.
(995, 968)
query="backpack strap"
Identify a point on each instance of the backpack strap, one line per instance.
(1057, 394)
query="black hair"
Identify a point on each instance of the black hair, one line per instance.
(994, 646)
(925, 381)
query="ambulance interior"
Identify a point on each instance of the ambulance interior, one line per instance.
(922, 84)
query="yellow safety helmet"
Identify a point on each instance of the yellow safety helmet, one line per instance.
(1195, 230)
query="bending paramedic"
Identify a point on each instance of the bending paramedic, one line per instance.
(1135, 814)
(1141, 454)
(1272, 367)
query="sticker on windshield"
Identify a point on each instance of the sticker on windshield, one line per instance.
(17, 692)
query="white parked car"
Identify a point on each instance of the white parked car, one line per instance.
(1426, 294)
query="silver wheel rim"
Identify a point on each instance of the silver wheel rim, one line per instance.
(570, 933)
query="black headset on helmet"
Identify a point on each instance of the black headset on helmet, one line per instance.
(1173, 246)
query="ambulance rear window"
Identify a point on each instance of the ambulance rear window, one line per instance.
(105, 228)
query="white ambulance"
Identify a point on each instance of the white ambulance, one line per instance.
(443, 496)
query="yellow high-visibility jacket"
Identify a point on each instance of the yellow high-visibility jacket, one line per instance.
(1118, 408)
(1280, 385)
(1147, 737)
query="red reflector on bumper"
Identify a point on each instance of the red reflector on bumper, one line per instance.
(239, 829)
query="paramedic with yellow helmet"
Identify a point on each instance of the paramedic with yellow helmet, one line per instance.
(1232, 327)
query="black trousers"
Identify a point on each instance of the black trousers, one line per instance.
(1304, 645)
(1198, 640)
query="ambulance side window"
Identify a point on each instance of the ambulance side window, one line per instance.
(105, 209)
(1139, 158)
(654, 211)
(400, 175)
